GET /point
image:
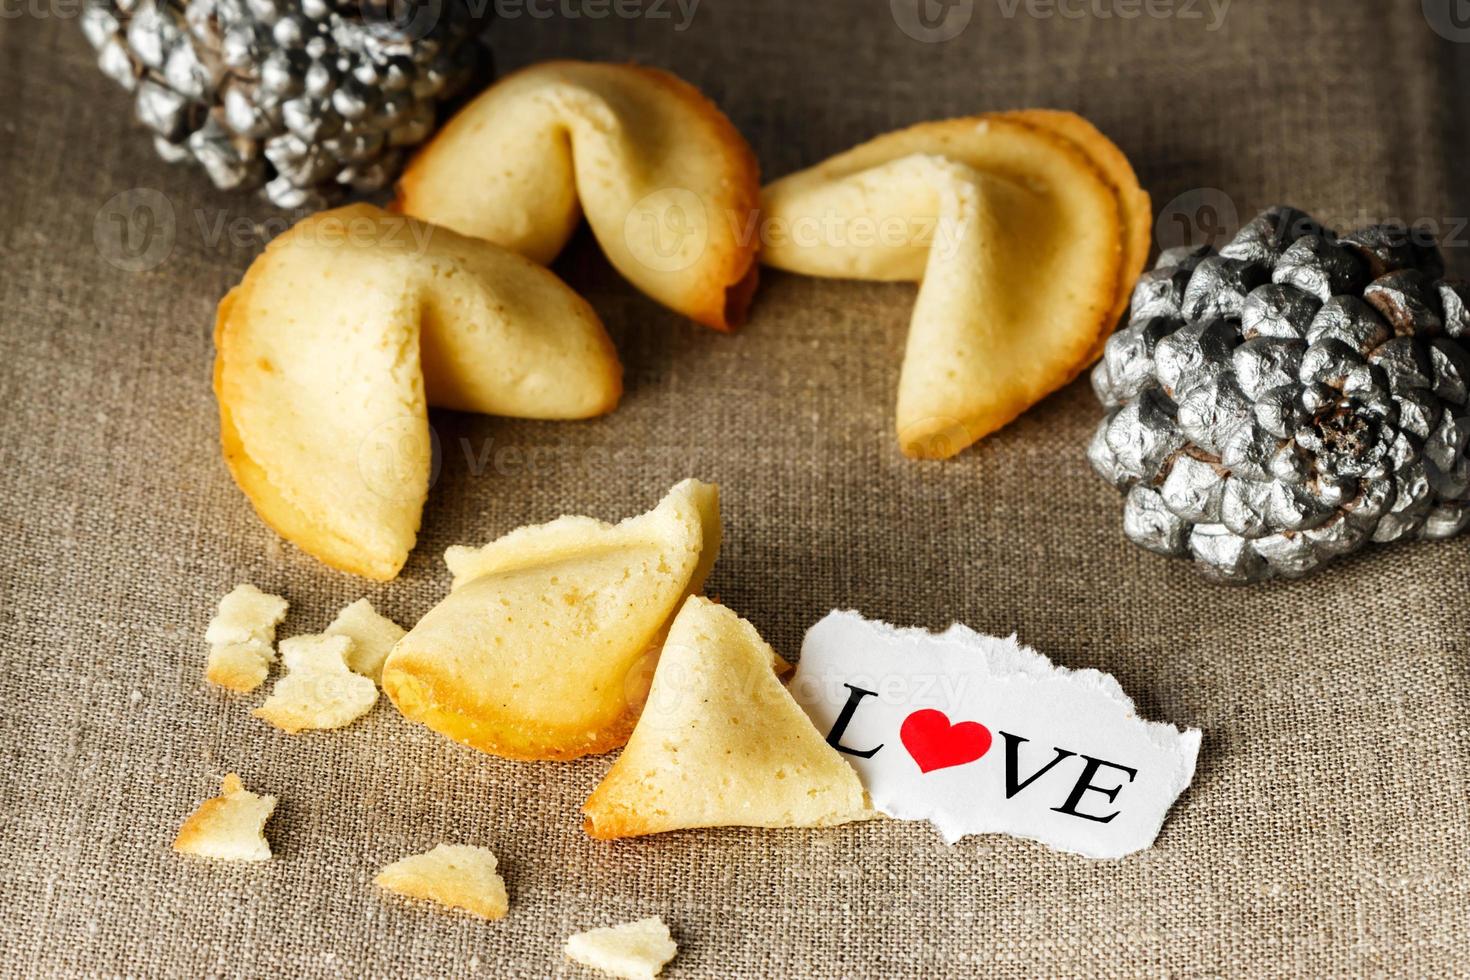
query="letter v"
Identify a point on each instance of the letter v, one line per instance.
(1013, 744)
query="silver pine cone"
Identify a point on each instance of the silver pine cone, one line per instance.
(1289, 399)
(304, 98)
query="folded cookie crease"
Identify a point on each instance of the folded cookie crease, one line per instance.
(343, 333)
(722, 743)
(1025, 232)
(544, 646)
(668, 185)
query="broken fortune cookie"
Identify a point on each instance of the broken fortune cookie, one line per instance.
(721, 743)
(318, 690)
(543, 646)
(372, 634)
(631, 951)
(242, 637)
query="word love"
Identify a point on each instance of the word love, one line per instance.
(983, 735)
(934, 743)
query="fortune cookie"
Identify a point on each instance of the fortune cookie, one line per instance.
(340, 336)
(722, 743)
(544, 646)
(668, 185)
(1025, 232)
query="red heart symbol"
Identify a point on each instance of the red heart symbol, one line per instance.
(936, 744)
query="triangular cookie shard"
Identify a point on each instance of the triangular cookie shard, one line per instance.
(1017, 236)
(721, 743)
(340, 336)
(544, 646)
(631, 951)
(669, 186)
(459, 876)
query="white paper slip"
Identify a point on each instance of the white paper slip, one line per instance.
(982, 735)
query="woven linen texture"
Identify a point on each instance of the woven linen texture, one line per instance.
(1327, 831)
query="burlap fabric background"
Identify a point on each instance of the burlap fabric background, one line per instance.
(1327, 831)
